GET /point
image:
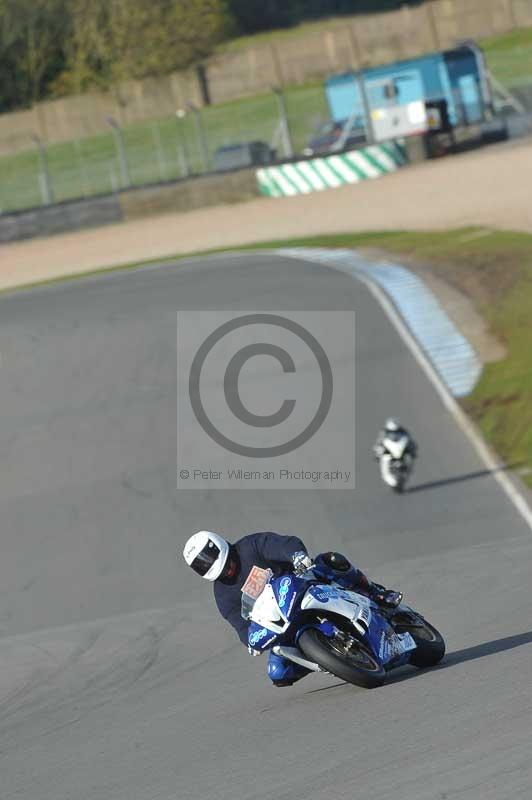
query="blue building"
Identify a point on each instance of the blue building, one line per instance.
(408, 97)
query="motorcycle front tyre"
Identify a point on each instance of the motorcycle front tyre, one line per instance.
(359, 668)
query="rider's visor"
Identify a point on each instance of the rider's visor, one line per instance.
(205, 558)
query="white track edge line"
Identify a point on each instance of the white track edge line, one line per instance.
(495, 466)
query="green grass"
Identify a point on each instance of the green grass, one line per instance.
(285, 34)
(495, 271)
(90, 166)
(509, 57)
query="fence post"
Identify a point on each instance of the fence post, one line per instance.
(202, 138)
(182, 152)
(368, 119)
(286, 137)
(487, 99)
(157, 143)
(356, 53)
(45, 180)
(121, 150)
(277, 66)
(114, 180)
(85, 182)
(203, 83)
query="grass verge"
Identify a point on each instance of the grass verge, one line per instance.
(509, 57)
(494, 269)
(156, 150)
(90, 166)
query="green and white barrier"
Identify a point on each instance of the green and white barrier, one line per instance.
(329, 172)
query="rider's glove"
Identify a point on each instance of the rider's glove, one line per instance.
(302, 562)
(252, 651)
(378, 450)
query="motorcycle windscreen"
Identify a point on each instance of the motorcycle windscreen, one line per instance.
(252, 589)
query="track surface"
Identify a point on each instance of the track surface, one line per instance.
(118, 681)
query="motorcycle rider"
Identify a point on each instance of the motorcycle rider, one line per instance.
(394, 430)
(228, 566)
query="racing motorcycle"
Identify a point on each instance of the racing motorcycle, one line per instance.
(313, 621)
(396, 460)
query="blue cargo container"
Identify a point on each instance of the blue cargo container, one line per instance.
(456, 77)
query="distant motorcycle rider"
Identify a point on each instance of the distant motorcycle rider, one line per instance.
(228, 566)
(394, 430)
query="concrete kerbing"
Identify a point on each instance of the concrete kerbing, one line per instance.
(332, 170)
(447, 348)
(491, 461)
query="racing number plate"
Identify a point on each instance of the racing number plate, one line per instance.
(256, 581)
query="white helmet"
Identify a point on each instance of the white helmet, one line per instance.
(206, 553)
(392, 424)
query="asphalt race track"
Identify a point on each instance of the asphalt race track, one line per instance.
(117, 679)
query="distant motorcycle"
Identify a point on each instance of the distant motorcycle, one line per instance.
(314, 622)
(396, 460)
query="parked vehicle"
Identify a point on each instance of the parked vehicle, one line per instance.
(242, 154)
(329, 138)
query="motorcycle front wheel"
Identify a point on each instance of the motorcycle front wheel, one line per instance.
(355, 664)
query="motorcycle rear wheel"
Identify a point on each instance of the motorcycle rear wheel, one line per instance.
(358, 666)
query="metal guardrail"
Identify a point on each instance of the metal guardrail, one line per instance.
(35, 173)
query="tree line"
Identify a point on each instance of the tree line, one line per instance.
(52, 48)
(252, 16)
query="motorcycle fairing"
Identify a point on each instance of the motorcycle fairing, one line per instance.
(386, 645)
(353, 606)
(272, 610)
(323, 625)
(396, 447)
(270, 621)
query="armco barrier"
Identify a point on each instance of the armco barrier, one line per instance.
(186, 195)
(60, 218)
(183, 195)
(329, 172)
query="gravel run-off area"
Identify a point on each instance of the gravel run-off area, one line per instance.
(490, 187)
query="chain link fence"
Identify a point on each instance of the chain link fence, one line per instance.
(194, 141)
(34, 173)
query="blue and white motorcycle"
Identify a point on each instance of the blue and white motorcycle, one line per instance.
(313, 621)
